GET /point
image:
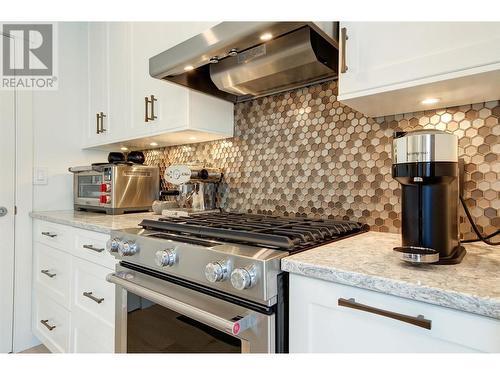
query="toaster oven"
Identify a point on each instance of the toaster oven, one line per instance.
(115, 188)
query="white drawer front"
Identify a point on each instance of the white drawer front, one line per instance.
(92, 247)
(319, 324)
(51, 323)
(91, 292)
(55, 235)
(52, 270)
(91, 335)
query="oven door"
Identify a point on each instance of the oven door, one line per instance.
(87, 188)
(154, 315)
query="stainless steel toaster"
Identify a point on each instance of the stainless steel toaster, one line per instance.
(115, 188)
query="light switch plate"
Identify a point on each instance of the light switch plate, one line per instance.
(40, 176)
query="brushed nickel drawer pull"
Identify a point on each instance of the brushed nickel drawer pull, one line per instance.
(344, 38)
(418, 321)
(95, 299)
(47, 272)
(45, 322)
(92, 247)
(48, 234)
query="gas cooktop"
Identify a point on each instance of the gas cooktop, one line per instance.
(277, 232)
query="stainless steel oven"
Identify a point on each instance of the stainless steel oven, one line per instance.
(156, 313)
(210, 282)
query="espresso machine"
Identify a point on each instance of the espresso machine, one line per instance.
(194, 188)
(425, 163)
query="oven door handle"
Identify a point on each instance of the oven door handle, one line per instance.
(233, 327)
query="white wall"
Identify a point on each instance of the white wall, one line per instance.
(59, 118)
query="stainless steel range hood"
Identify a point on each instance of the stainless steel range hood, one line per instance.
(232, 62)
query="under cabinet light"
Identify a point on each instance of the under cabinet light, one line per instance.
(430, 101)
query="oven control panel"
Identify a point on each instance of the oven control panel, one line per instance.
(225, 267)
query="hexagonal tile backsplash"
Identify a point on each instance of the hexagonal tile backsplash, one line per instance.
(303, 153)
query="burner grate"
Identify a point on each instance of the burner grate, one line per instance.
(292, 234)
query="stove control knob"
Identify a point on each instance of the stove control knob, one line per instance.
(217, 271)
(112, 245)
(127, 248)
(243, 278)
(165, 258)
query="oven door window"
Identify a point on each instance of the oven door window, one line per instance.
(89, 186)
(152, 328)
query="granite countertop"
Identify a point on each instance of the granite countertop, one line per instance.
(95, 221)
(367, 261)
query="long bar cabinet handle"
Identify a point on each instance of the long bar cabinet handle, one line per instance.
(45, 322)
(93, 248)
(418, 321)
(343, 38)
(48, 234)
(91, 296)
(47, 272)
(153, 100)
(102, 115)
(98, 123)
(147, 101)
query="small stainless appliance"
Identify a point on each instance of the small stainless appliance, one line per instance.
(115, 188)
(238, 61)
(210, 282)
(195, 186)
(425, 163)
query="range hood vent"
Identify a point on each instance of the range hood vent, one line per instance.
(299, 54)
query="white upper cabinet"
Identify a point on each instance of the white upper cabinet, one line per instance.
(143, 109)
(98, 129)
(119, 76)
(390, 67)
(170, 101)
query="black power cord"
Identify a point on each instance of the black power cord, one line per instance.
(485, 239)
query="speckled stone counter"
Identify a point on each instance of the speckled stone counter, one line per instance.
(97, 222)
(367, 261)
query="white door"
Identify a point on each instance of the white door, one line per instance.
(7, 187)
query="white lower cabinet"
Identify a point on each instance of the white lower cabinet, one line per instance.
(74, 305)
(318, 323)
(51, 323)
(52, 273)
(90, 334)
(93, 295)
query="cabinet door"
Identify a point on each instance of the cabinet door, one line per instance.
(98, 84)
(119, 78)
(90, 334)
(319, 324)
(172, 101)
(380, 54)
(51, 323)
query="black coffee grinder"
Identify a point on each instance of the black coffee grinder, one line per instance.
(425, 163)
